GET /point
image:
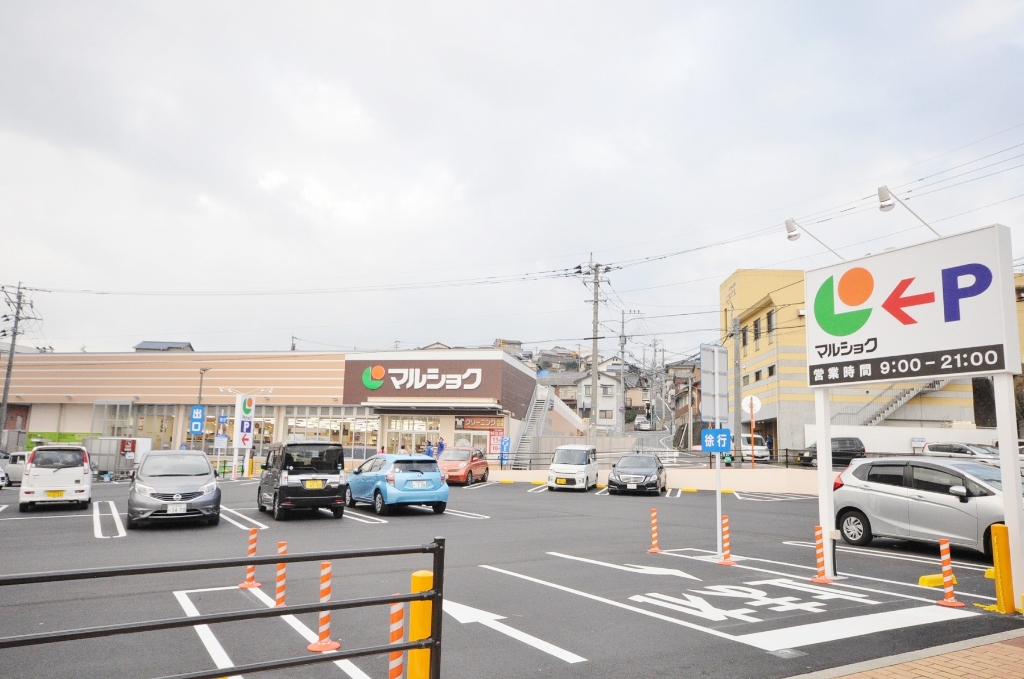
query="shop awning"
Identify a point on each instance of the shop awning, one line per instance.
(438, 406)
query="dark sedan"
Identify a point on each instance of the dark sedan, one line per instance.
(637, 472)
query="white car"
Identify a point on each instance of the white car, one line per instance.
(15, 467)
(760, 448)
(641, 424)
(4, 481)
(573, 466)
(56, 473)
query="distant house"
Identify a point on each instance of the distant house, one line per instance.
(607, 400)
(558, 359)
(163, 346)
(565, 386)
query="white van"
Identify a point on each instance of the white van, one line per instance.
(15, 467)
(56, 473)
(573, 467)
(760, 448)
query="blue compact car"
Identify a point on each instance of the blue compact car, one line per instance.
(389, 480)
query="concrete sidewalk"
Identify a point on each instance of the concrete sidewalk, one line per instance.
(997, 656)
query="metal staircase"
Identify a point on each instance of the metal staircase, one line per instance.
(891, 399)
(536, 420)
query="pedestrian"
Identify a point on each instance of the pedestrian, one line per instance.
(403, 450)
(440, 445)
(382, 450)
(429, 451)
(768, 443)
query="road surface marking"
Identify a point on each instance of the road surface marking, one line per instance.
(259, 525)
(467, 515)
(465, 614)
(537, 489)
(772, 497)
(630, 568)
(885, 555)
(97, 526)
(217, 653)
(3, 507)
(363, 518)
(117, 520)
(603, 491)
(248, 483)
(34, 518)
(478, 486)
(309, 635)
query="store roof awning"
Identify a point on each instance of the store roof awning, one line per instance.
(398, 406)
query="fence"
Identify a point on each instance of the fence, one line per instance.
(434, 595)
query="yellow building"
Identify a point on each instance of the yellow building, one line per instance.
(769, 304)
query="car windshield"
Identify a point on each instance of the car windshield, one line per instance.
(985, 450)
(57, 459)
(758, 441)
(455, 454)
(569, 456)
(314, 458)
(982, 472)
(414, 466)
(637, 462)
(175, 465)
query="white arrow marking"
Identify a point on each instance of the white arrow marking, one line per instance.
(466, 614)
(631, 568)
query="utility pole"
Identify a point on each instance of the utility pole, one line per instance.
(620, 418)
(293, 342)
(737, 398)
(596, 270)
(18, 301)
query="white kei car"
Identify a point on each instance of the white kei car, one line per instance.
(56, 473)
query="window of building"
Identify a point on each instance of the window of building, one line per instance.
(746, 380)
(606, 390)
(586, 389)
(604, 414)
(757, 334)
(757, 375)
(413, 433)
(351, 426)
(770, 322)
(771, 371)
(743, 339)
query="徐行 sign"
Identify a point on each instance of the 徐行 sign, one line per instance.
(715, 440)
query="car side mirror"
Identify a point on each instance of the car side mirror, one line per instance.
(216, 473)
(960, 492)
(263, 466)
(357, 471)
(131, 474)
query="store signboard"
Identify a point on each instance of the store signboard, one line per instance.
(245, 407)
(435, 379)
(479, 423)
(942, 308)
(714, 383)
(494, 443)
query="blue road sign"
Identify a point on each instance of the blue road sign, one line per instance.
(715, 440)
(506, 448)
(246, 426)
(222, 419)
(197, 422)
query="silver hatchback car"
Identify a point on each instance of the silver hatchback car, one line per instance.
(171, 485)
(922, 499)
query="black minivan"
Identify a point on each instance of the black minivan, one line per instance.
(844, 449)
(307, 475)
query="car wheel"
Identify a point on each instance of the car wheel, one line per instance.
(279, 512)
(338, 512)
(469, 479)
(259, 503)
(129, 522)
(349, 500)
(487, 473)
(379, 506)
(213, 520)
(855, 527)
(23, 507)
(439, 507)
(814, 462)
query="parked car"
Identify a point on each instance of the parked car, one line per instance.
(640, 472)
(56, 473)
(173, 485)
(464, 465)
(641, 423)
(4, 481)
(922, 499)
(573, 466)
(960, 450)
(303, 476)
(844, 449)
(15, 467)
(760, 448)
(389, 480)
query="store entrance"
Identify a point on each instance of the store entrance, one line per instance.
(472, 439)
(413, 442)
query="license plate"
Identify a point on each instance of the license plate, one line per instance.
(560, 482)
(55, 493)
(176, 509)
(314, 484)
(630, 486)
(418, 484)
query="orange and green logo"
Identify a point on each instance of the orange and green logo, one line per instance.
(373, 377)
(855, 287)
(247, 405)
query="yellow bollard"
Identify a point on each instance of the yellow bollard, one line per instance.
(1000, 536)
(419, 626)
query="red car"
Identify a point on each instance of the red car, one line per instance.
(464, 465)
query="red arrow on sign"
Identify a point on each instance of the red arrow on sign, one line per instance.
(895, 302)
(245, 439)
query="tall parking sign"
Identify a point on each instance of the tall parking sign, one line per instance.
(197, 420)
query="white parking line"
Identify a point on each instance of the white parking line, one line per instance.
(883, 555)
(249, 483)
(97, 527)
(603, 491)
(217, 653)
(771, 497)
(478, 486)
(467, 515)
(3, 507)
(537, 489)
(363, 518)
(259, 525)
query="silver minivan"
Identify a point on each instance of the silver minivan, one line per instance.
(922, 499)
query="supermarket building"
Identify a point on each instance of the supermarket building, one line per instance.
(365, 401)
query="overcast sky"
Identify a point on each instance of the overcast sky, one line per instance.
(225, 146)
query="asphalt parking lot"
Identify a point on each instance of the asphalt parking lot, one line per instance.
(557, 584)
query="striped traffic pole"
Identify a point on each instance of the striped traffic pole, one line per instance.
(726, 550)
(282, 548)
(654, 533)
(250, 571)
(395, 667)
(324, 643)
(819, 549)
(949, 598)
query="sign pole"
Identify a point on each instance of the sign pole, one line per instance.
(826, 504)
(718, 466)
(234, 464)
(1009, 465)
(751, 433)
(246, 471)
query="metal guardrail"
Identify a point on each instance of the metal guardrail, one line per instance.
(434, 595)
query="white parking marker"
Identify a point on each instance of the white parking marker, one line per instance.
(3, 507)
(631, 568)
(467, 515)
(478, 486)
(217, 653)
(309, 635)
(603, 491)
(97, 528)
(465, 614)
(884, 555)
(253, 521)
(363, 518)
(117, 520)
(537, 489)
